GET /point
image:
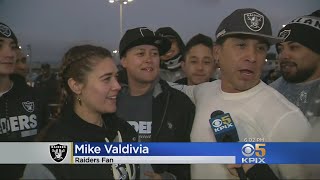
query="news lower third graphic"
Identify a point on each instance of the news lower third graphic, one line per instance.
(158, 153)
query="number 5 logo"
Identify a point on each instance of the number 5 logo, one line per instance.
(226, 119)
(260, 150)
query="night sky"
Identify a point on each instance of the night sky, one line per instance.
(53, 26)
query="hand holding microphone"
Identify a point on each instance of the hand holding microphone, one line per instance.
(233, 168)
(254, 171)
(225, 130)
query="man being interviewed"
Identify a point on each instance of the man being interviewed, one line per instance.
(158, 112)
(258, 111)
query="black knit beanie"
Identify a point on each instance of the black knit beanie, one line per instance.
(6, 32)
(304, 30)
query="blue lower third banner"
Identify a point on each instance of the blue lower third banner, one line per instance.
(158, 153)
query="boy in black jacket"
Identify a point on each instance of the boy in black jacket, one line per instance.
(158, 112)
(22, 113)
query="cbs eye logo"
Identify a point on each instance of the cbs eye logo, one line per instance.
(249, 150)
(224, 120)
(217, 123)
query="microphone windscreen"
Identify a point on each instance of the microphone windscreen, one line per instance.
(216, 113)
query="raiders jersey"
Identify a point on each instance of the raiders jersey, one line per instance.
(22, 114)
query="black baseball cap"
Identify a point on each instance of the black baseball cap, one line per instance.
(140, 36)
(247, 21)
(6, 32)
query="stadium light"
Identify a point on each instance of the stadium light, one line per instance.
(121, 2)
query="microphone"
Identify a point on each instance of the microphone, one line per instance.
(223, 127)
(225, 130)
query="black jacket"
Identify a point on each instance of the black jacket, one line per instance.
(22, 115)
(172, 118)
(172, 115)
(71, 128)
(19, 80)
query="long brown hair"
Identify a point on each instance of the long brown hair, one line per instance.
(76, 64)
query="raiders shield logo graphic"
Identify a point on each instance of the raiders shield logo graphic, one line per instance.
(58, 152)
(285, 34)
(28, 106)
(254, 21)
(5, 30)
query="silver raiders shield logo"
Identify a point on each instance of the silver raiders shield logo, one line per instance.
(58, 152)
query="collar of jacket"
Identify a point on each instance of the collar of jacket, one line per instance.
(71, 119)
(16, 90)
(158, 86)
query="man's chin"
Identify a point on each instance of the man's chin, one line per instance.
(294, 79)
(147, 81)
(199, 82)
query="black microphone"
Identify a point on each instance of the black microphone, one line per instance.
(225, 130)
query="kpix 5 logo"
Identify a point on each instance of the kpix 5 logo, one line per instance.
(222, 122)
(254, 154)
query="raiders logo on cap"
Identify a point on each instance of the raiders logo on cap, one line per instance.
(5, 30)
(285, 34)
(254, 21)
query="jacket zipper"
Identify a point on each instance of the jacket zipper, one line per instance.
(164, 115)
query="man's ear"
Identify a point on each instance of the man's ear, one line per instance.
(75, 86)
(124, 62)
(183, 66)
(216, 50)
